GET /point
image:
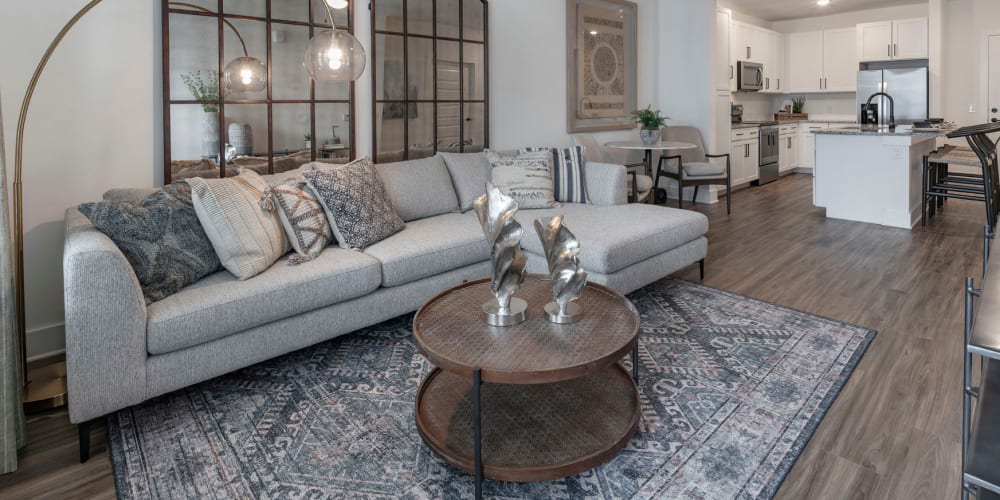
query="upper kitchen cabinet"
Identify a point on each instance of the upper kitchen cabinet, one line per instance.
(817, 61)
(755, 44)
(725, 71)
(892, 40)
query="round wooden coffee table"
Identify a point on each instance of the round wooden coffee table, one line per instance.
(556, 402)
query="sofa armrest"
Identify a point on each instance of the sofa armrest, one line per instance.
(105, 323)
(607, 184)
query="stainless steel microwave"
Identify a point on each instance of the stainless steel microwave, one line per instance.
(749, 76)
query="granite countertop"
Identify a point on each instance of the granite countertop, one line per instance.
(898, 132)
(745, 125)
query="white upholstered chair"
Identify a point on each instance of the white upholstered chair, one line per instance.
(640, 186)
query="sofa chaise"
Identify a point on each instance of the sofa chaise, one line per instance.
(121, 351)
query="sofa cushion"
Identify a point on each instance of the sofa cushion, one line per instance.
(615, 237)
(469, 174)
(220, 305)
(429, 247)
(419, 188)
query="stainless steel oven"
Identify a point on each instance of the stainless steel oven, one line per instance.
(769, 150)
(749, 76)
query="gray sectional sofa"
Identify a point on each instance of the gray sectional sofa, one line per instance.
(121, 352)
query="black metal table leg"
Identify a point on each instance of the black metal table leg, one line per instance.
(477, 431)
(635, 362)
(648, 160)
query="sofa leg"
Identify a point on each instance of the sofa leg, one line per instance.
(701, 269)
(84, 428)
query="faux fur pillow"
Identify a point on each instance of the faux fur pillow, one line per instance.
(161, 238)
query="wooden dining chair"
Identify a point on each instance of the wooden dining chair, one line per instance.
(693, 167)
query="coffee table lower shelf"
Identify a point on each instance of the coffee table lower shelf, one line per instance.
(534, 432)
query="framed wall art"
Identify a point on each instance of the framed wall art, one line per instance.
(601, 81)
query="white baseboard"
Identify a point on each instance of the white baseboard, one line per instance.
(803, 170)
(46, 341)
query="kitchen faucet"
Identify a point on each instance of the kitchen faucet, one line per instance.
(892, 107)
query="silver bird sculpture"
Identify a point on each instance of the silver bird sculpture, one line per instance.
(562, 252)
(496, 216)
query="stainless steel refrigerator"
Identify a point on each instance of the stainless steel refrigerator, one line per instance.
(908, 88)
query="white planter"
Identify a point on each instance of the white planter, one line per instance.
(210, 134)
(649, 137)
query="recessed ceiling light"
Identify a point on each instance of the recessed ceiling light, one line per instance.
(822, 3)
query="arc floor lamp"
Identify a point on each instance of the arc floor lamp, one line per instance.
(332, 55)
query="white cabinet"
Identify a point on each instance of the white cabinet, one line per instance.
(788, 148)
(805, 62)
(807, 143)
(725, 72)
(874, 41)
(840, 64)
(818, 61)
(910, 39)
(892, 40)
(759, 45)
(744, 155)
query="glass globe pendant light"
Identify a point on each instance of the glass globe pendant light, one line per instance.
(334, 55)
(246, 74)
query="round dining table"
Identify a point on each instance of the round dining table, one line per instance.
(649, 148)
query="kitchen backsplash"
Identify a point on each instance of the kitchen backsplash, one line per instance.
(757, 106)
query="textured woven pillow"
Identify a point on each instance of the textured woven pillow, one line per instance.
(567, 173)
(356, 204)
(303, 218)
(525, 177)
(247, 237)
(161, 238)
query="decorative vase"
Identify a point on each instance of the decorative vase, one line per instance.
(562, 252)
(210, 134)
(308, 145)
(649, 136)
(241, 137)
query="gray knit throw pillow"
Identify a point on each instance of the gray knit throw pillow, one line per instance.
(356, 204)
(160, 236)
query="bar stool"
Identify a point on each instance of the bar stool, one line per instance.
(939, 182)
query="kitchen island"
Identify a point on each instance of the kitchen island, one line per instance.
(871, 175)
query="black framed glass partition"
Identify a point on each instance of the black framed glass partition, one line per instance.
(430, 77)
(236, 94)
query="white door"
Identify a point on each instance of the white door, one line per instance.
(909, 39)
(777, 47)
(724, 70)
(769, 53)
(840, 64)
(874, 41)
(805, 64)
(449, 114)
(993, 110)
(758, 45)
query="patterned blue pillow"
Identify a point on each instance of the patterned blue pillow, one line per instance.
(567, 171)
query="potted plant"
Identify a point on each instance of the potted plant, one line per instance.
(798, 103)
(206, 90)
(651, 122)
(309, 141)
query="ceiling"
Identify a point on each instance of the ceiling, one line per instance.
(778, 10)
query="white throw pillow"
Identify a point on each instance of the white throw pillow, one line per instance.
(246, 237)
(525, 177)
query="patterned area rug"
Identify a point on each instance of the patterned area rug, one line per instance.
(732, 389)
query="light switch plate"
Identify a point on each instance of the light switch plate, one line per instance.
(972, 108)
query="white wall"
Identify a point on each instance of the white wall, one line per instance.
(94, 124)
(528, 72)
(966, 24)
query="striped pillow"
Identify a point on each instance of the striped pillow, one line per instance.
(247, 236)
(567, 170)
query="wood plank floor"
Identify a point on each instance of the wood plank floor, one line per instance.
(894, 432)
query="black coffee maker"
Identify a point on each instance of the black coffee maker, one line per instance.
(869, 114)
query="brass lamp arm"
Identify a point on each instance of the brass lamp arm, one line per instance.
(202, 9)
